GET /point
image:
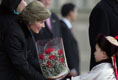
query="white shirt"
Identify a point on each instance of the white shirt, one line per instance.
(67, 22)
(103, 71)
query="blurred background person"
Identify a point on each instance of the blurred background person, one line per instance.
(52, 25)
(69, 14)
(103, 19)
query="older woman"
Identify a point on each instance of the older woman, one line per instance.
(18, 58)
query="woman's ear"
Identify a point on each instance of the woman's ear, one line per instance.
(105, 55)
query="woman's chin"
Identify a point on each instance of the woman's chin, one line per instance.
(36, 32)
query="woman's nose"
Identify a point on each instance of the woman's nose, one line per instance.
(43, 25)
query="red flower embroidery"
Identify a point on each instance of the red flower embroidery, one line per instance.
(49, 64)
(52, 57)
(48, 51)
(61, 60)
(42, 57)
(60, 52)
(116, 37)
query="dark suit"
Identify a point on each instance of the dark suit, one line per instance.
(71, 47)
(103, 19)
(45, 33)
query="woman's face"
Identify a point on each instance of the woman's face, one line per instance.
(99, 54)
(21, 6)
(37, 26)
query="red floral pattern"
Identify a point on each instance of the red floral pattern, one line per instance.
(48, 51)
(42, 57)
(52, 57)
(61, 60)
(60, 52)
(49, 64)
(116, 37)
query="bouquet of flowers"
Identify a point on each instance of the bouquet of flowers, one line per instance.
(52, 58)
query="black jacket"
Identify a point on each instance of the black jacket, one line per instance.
(103, 19)
(17, 61)
(45, 33)
(71, 47)
(8, 6)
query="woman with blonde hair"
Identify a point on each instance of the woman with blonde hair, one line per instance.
(18, 41)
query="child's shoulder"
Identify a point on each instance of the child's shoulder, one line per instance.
(104, 71)
(107, 71)
(101, 67)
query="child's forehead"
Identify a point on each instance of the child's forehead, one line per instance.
(97, 46)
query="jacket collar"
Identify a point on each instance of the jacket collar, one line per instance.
(67, 22)
(25, 29)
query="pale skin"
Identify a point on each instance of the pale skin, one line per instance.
(21, 6)
(37, 26)
(99, 54)
(72, 15)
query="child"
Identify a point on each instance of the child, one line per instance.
(106, 48)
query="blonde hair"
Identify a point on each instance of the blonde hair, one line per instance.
(34, 11)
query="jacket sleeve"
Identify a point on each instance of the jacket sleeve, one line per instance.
(99, 23)
(33, 57)
(87, 76)
(102, 74)
(18, 55)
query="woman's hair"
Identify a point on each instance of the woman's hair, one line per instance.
(106, 45)
(34, 11)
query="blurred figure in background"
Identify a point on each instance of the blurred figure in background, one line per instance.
(103, 19)
(52, 25)
(69, 14)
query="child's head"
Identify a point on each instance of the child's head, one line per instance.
(106, 47)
